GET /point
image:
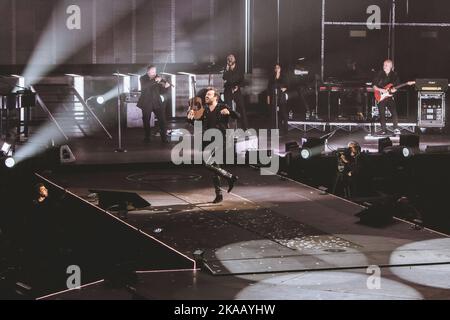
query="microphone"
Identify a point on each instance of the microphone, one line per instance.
(224, 69)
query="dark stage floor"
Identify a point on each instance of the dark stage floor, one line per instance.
(272, 239)
(100, 150)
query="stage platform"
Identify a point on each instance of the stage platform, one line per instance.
(97, 150)
(272, 238)
(409, 283)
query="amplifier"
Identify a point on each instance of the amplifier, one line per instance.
(436, 85)
(431, 109)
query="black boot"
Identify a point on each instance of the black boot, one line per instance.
(231, 182)
(217, 187)
(218, 199)
(231, 179)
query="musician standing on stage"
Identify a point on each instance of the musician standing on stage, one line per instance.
(152, 87)
(234, 81)
(276, 98)
(383, 78)
(215, 116)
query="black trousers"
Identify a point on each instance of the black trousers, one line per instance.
(344, 185)
(217, 172)
(302, 92)
(216, 179)
(238, 98)
(388, 103)
(161, 116)
(283, 117)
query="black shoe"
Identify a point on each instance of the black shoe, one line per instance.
(218, 199)
(231, 183)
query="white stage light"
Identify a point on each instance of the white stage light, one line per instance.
(10, 162)
(100, 100)
(306, 154)
(6, 147)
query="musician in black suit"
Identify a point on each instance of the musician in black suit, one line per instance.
(152, 88)
(381, 80)
(234, 81)
(276, 97)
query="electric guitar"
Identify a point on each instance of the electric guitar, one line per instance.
(390, 87)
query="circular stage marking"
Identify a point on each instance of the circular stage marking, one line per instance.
(326, 285)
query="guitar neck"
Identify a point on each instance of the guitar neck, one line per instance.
(402, 85)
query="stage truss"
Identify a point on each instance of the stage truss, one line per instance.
(306, 126)
(393, 24)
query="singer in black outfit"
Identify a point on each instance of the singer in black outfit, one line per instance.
(234, 81)
(152, 87)
(276, 98)
(215, 116)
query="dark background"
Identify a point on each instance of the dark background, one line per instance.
(199, 32)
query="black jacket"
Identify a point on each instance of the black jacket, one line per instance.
(233, 78)
(276, 84)
(220, 121)
(381, 80)
(151, 92)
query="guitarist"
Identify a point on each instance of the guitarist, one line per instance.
(384, 78)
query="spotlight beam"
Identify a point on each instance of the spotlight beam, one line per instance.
(39, 65)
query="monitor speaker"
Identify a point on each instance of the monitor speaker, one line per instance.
(410, 140)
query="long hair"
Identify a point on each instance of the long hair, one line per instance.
(274, 73)
(356, 145)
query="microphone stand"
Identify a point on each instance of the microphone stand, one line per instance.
(210, 66)
(277, 107)
(194, 85)
(317, 98)
(209, 77)
(120, 149)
